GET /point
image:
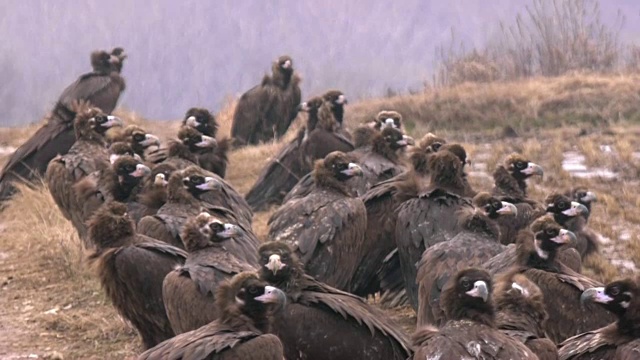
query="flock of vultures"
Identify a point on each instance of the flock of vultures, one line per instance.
(363, 212)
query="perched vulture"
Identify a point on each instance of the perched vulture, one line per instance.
(476, 243)
(617, 341)
(321, 322)
(131, 269)
(325, 228)
(364, 133)
(430, 217)
(184, 151)
(88, 154)
(203, 121)
(521, 314)
(246, 306)
(461, 154)
(188, 291)
(470, 331)
(265, 111)
(153, 194)
(138, 138)
(101, 88)
(583, 196)
(286, 168)
(573, 216)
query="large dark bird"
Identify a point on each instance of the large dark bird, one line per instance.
(265, 111)
(215, 160)
(101, 88)
(430, 217)
(572, 215)
(520, 314)
(476, 243)
(88, 154)
(326, 228)
(321, 322)
(246, 306)
(131, 268)
(185, 150)
(510, 178)
(153, 194)
(189, 290)
(470, 332)
(583, 196)
(364, 133)
(138, 138)
(617, 341)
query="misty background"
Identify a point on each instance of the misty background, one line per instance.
(198, 53)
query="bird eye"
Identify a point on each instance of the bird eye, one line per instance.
(521, 165)
(129, 168)
(582, 194)
(101, 119)
(216, 227)
(466, 283)
(138, 137)
(562, 205)
(614, 291)
(551, 232)
(487, 207)
(254, 290)
(197, 180)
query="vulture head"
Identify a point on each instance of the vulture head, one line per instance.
(121, 148)
(335, 98)
(194, 180)
(110, 224)
(521, 168)
(493, 207)
(246, 300)
(206, 230)
(279, 265)
(311, 105)
(335, 167)
(467, 296)
(458, 150)
(195, 141)
(139, 138)
(283, 65)
(92, 123)
(516, 295)
(391, 138)
(201, 120)
(129, 170)
(387, 118)
(119, 53)
(445, 171)
(583, 196)
(103, 62)
(617, 297)
(539, 246)
(563, 208)
(160, 175)
(419, 155)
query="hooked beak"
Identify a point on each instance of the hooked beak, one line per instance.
(533, 169)
(507, 209)
(564, 237)
(406, 140)
(287, 64)
(517, 287)
(273, 295)
(209, 184)
(576, 209)
(113, 59)
(341, 100)
(112, 121)
(229, 231)
(479, 290)
(589, 197)
(303, 107)
(389, 123)
(160, 180)
(353, 170)
(595, 295)
(191, 121)
(150, 140)
(275, 264)
(141, 171)
(207, 142)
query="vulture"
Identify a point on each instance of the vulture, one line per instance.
(536, 259)
(216, 160)
(364, 133)
(476, 243)
(131, 268)
(325, 228)
(521, 314)
(138, 138)
(573, 216)
(286, 168)
(246, 306)
(617, 341)
(184, 151)
(154, 192)
(88, 154)
(430, 217)
(265, 111)
(322, 322)
(583, 196)
(461, 154)
(470, 331)
(120, 148)
(189, 290)
(101, 88)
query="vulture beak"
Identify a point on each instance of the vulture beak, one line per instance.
(589, 197)
(207, 142)
(209, 184)
(150, 140)
(479, 290)
(303, 107)
(275, 264)
(507, 209)
(595, 295)
(341, 100)
(286, 64)
(273, 295)
(113, 158)
(406, 140)
(229, 231)
(533, 169)
(112, 121)
(576, 209)
(564, 237)
(353, 170)
(191, 121)
(113, 59)
(389, 123)
(159, 180)
(141, 171)
(515, 286)
(123, 56)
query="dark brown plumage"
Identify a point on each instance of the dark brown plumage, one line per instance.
(583, 196)
(138, 138)
(521, 314)
(88, 154)
(131, 269)
(154, 192)
(188, 291)
(617, 341)
(265, 111)
(185, 150)
(573, 215)
(216, 160)
(470, 331)
(510, 178)
(364, 134)
(101, 88)
(246, 306)
(321, 322)
(476, 243)
(326, 228)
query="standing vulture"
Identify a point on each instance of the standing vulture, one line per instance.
(189, 290)
(325, 228)
(215, 160)
(430, 217)
(246, 306)
(265, 111)
(101, 88)
(617, 341)
(321, 322)
(470, 332)
(476, 243)
(131, 268)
